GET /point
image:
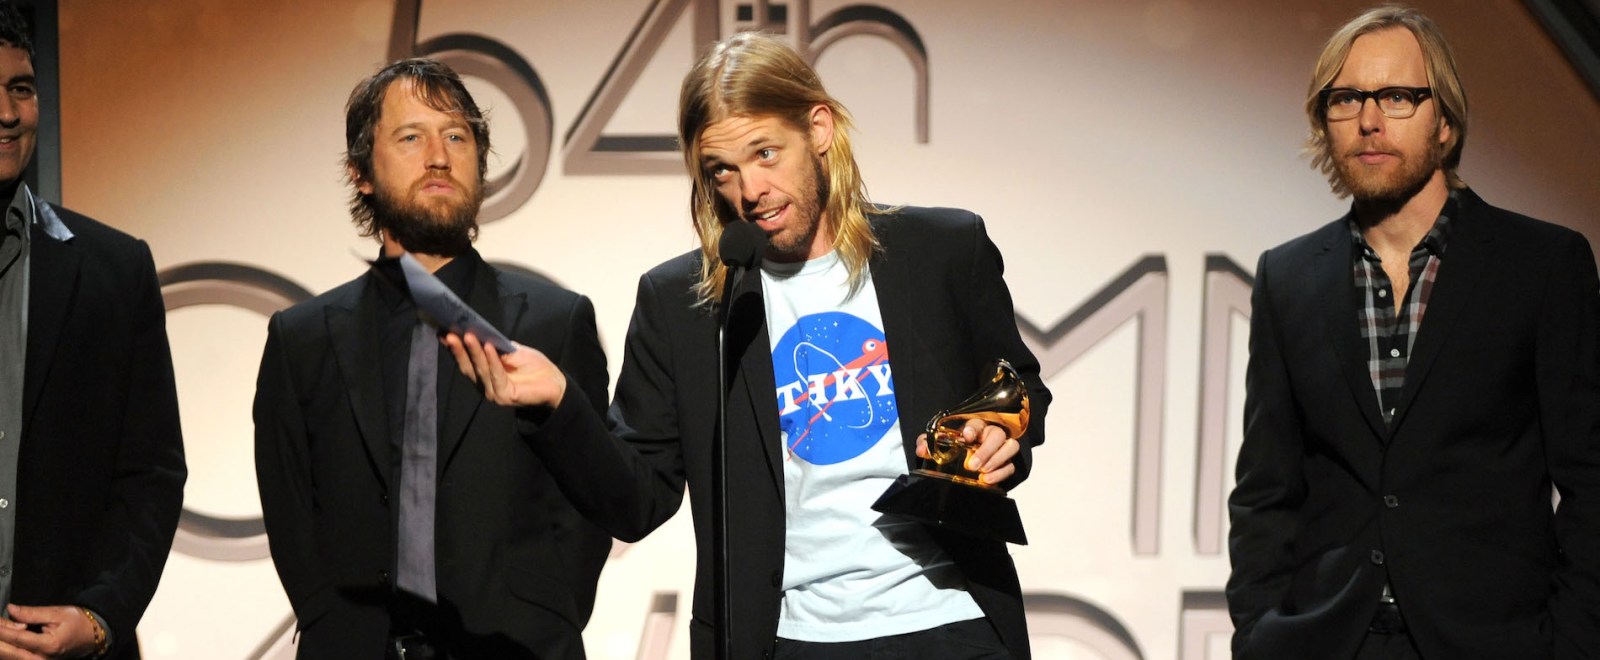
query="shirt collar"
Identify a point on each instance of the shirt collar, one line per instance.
(1438, 237)
(51, 223)
(16, 219)
(457, 276)
(1435, 241)
(33, 211)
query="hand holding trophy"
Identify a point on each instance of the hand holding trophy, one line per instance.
(943, 491)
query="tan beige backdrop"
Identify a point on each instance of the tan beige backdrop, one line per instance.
(1132, 159)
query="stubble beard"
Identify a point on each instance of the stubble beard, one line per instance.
(445, 227)
(811, 198)
(1390, 188)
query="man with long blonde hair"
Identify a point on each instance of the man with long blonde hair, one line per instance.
(862, 323)
(1422, 372)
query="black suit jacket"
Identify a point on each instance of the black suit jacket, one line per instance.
(1451, 501)
(100, 477)
(516, 565)
(946, 314)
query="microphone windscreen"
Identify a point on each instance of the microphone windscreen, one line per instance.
(742, 244)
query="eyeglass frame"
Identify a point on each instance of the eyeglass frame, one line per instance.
(1420, 93)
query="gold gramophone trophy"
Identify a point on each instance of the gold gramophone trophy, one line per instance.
(943, 491)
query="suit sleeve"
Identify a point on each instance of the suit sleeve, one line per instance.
(584, 362)
(147, 485)
(283, 474)
(1264, 506)
(993, 325)
(626, 475)
(582, 359)
(1568, 377)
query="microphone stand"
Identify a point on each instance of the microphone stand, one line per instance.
(740, 250)
(719, 478)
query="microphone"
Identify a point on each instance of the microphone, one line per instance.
(740, 249)
(742, 244)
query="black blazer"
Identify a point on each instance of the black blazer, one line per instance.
(946, 313)
(1451, 502)
(516, 564)
(100, 477)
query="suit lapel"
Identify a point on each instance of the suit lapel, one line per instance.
(900, 332)
(353, 330)
(748, 343)
(1335, 285)
(461, 399)
(53, 268)
(1469, 250)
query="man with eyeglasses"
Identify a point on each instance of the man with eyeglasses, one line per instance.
(1422, 371)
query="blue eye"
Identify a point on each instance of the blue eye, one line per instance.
(1344, 97)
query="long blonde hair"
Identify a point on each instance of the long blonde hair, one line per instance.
(756, 75)
(1442, 78)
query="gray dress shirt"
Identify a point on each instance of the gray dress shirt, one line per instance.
(14, 241)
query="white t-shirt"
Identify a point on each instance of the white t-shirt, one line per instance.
(850, 573)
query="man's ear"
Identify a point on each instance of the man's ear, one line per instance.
(821, 124)
(362, 185)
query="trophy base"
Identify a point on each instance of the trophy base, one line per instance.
(941, 500)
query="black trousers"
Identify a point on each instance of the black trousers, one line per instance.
(1390, 646)
(1388, 637)
(962, 640)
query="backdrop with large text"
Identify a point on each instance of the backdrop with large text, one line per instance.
(1131, 160)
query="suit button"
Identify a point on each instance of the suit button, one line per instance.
(777, 579)
(384, 498)
(1377, 557)
(766, 655)
(383, 577)
(1391, 501)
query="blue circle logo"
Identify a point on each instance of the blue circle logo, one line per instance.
(835, 388)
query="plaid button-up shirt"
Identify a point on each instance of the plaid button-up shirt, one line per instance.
(1390, 334)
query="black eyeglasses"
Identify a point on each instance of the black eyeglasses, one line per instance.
(1394, 102)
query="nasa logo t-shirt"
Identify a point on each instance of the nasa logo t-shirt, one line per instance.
(850, 573)
(836, 394)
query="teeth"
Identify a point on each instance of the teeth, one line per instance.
(769, 214)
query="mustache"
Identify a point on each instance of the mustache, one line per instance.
(1372, 147)
(446, 177)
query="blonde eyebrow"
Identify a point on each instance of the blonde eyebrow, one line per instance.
(759, 142)
(756, 144)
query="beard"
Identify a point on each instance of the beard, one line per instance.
(444, 227)
(811, 198)
(1390, 188)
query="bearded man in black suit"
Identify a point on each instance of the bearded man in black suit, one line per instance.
(1422, 372)
(406, 518)
(862, 322)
